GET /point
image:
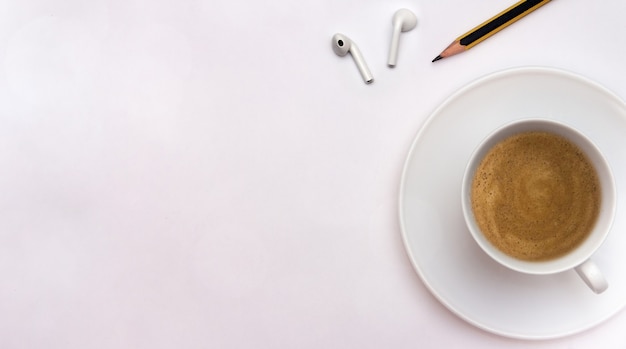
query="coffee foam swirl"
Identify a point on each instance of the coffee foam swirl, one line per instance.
(535, 196)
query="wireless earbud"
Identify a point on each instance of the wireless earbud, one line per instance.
(342, 45)
(403, 21)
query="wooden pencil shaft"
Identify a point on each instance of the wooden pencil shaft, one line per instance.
(499, 22)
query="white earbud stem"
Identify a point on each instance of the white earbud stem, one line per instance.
(403, 21)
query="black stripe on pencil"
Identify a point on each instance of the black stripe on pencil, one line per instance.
(490, 27)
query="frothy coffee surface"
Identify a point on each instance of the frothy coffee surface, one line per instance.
(535, 196)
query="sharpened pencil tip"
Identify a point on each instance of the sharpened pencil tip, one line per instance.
(437, 58)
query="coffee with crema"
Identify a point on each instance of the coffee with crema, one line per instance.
(535, 196)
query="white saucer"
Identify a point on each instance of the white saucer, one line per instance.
(438, 243)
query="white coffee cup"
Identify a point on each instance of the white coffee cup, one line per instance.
(577, 259)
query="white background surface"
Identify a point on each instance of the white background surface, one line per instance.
(209, 174)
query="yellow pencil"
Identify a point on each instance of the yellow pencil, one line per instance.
(490, 27)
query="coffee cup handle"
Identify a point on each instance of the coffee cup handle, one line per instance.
(591, 275)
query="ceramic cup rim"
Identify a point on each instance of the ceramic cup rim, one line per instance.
(608, 197)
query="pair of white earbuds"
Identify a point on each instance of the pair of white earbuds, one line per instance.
(403, 21)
